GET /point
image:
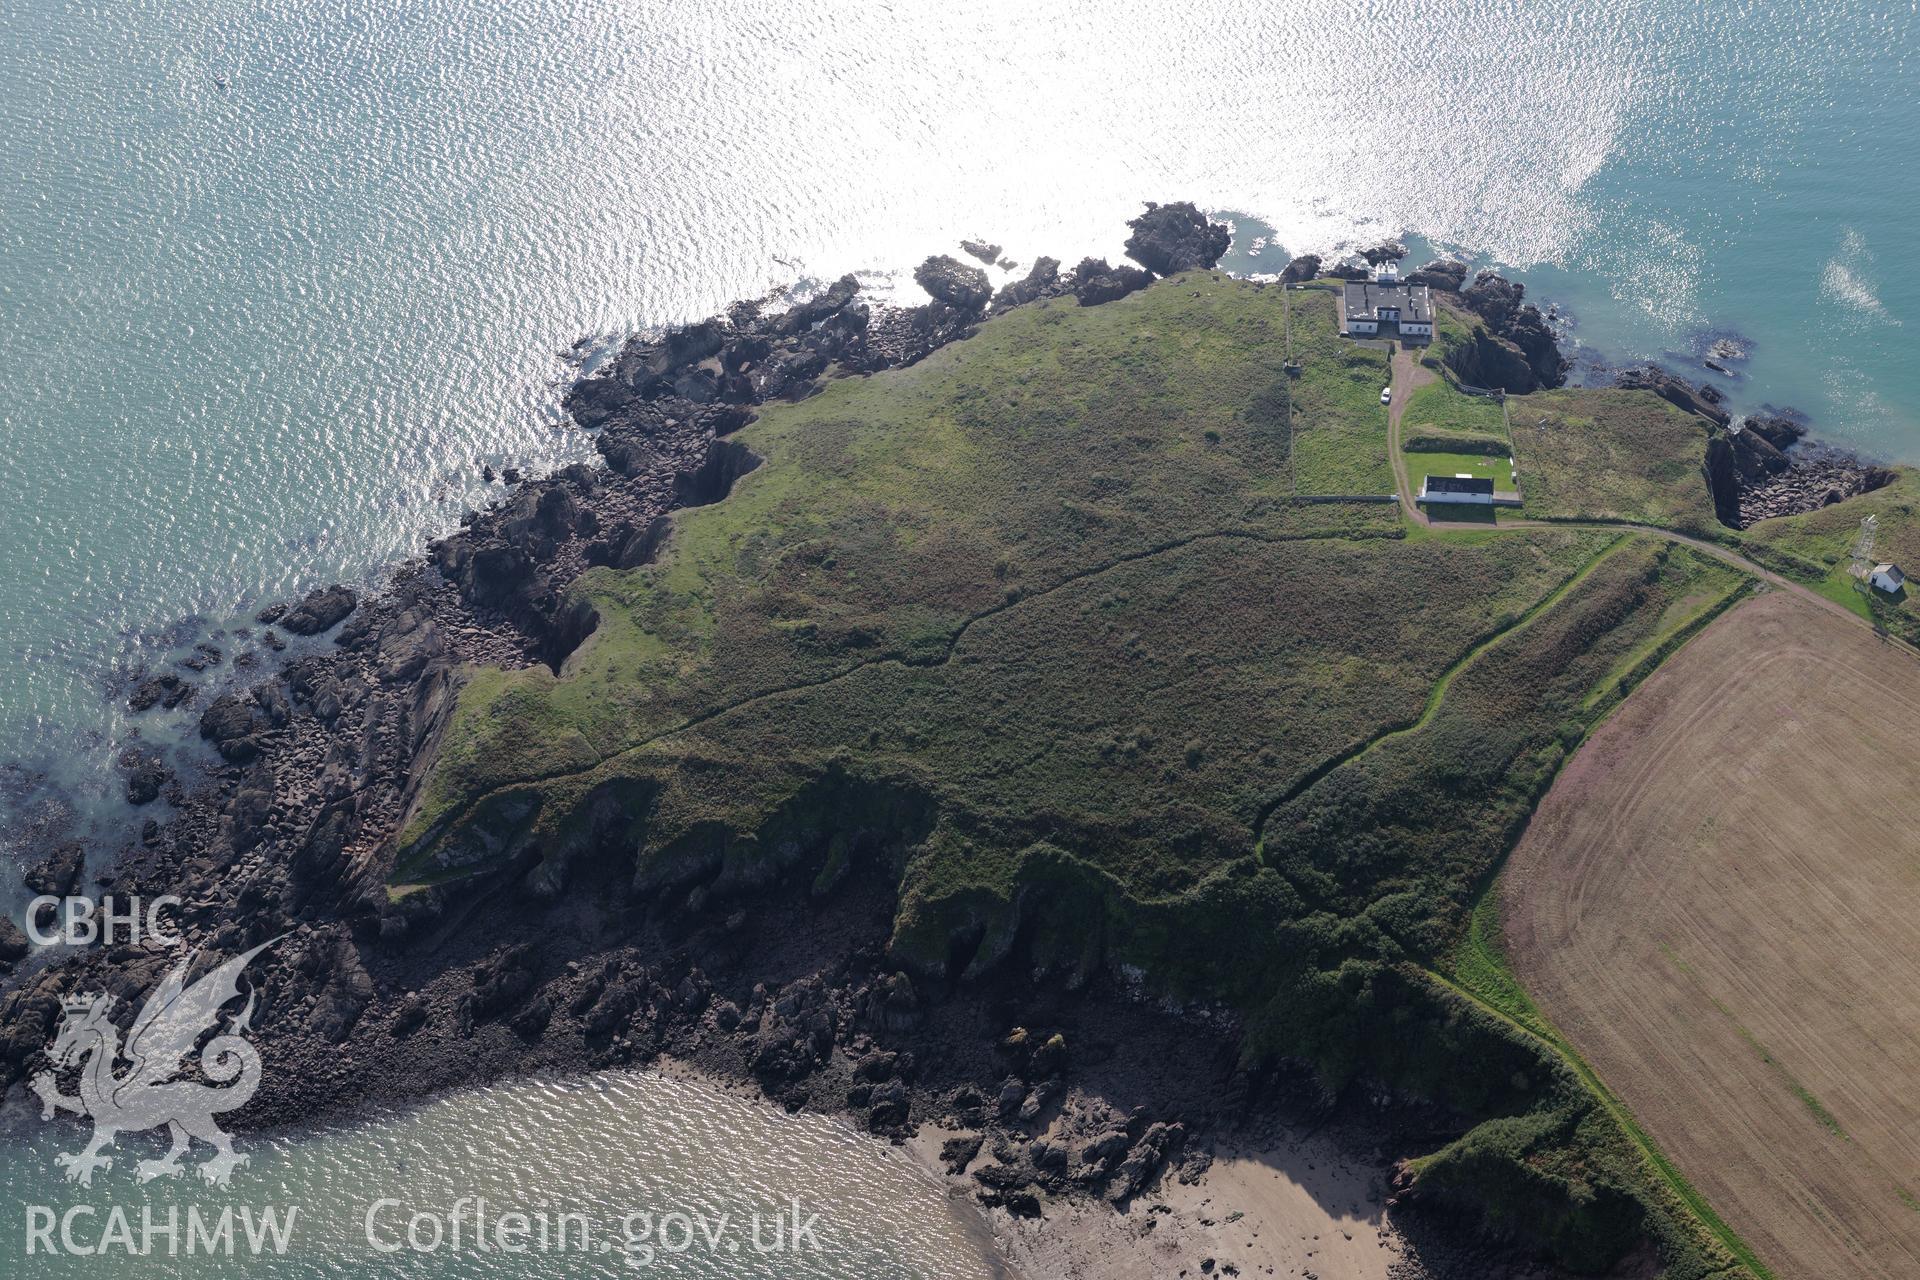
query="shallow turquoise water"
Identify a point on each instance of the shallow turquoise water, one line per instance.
(277, 278)
(604, 1164)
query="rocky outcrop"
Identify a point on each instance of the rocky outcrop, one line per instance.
(146, 775)
(59, 875)
(319, 611)
(1442, 273)
(1095, 282)
(1518, 324)
(1170, 238)
(1752, 479)
(953, 282)
(13, 945)
(1674, 390)
(987, 253)
(1042, 281)
(1304, 267)
(1486, 360)
(167, 690)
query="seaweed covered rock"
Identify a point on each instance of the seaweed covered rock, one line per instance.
(1170, 238)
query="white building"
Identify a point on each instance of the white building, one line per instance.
(1887, 577)
(1456, 489)
(1383, 304)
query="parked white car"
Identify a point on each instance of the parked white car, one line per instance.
(1386, 395)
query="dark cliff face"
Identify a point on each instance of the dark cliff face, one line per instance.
(1516, 350)
(1486, 360)
(1674, 390)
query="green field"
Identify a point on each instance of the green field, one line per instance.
(1036, 630)
(1438, 408)
(1340, 427)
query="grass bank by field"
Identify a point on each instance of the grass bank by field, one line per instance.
(1715, 905)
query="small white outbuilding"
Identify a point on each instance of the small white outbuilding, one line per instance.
(1887, 577)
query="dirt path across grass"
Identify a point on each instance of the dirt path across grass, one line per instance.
(1407, 377)
(1718, 904)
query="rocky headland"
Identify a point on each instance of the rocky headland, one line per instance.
(286, 833)
(1087, 1091)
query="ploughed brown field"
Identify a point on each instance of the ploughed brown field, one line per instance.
(1719, 905)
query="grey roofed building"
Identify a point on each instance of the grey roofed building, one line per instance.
(1368, 307)
(1456, 489)
(1409, 301)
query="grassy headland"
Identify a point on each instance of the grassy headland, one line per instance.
(1043, 629)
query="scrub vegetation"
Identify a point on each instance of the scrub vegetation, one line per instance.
(1612, 455)
(1042, 629)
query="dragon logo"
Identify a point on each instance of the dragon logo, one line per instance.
(147, 1095)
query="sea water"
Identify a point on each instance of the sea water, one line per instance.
(277, 279)
(620, 1174)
